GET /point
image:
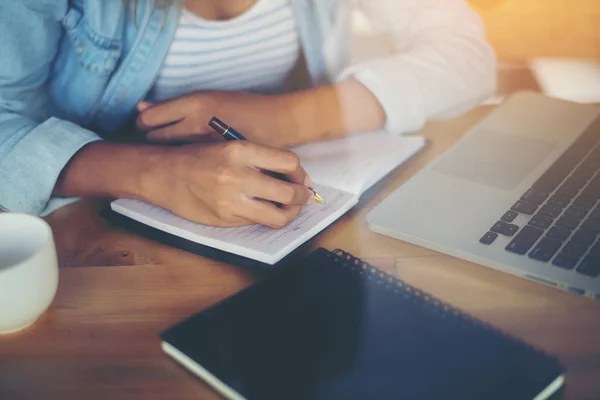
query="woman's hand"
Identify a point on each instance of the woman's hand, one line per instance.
(282, 121)
(262, 119)
(217, 184)
(221, 184)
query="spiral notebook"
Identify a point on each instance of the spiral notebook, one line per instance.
(333, 327)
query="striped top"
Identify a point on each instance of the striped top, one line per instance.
(253, 52)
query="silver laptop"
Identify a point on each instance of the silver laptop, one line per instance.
(518, 193)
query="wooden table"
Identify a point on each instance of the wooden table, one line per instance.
(100, 340)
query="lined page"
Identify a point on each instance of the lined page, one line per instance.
(255, 241)
(355, 163)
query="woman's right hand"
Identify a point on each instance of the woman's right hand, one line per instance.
(221, 184)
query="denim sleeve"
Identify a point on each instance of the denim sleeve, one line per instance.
(34, 146)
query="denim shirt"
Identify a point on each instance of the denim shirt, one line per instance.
(72, 72)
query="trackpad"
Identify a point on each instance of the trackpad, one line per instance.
(495, 159)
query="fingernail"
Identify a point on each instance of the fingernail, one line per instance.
(311, 200)
(143, 105)
(308, 182)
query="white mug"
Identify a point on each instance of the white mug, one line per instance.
(28, 270)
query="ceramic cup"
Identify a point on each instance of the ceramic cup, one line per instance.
(28, 270)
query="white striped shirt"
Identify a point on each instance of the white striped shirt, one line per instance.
(253, 52)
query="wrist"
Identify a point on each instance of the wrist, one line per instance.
(148, 179)
(334, 111)
(312, 114)
(109, 170)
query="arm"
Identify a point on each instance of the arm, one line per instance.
(42, 156)
(442, 66)
(34, 146)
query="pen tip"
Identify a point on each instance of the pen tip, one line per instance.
(316, 195)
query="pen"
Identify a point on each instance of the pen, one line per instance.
(231, 134)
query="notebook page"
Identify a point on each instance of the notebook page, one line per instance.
(355, 163)
(255, 241)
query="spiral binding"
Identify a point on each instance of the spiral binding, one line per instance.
(410, 292)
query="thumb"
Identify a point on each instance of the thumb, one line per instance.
(143, 106)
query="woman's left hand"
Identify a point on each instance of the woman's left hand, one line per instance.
(263, 119)
(283, 121)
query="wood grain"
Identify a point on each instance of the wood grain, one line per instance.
(100, 338)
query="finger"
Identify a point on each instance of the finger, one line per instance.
(267, 188)
(163, 114)
(178, 131)
(143, 105)
(186, 139)
(225, 223)
(190, 211)
(265, 213)
(272, 159)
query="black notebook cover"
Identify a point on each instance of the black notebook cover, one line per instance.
(333, 327)
(193, 247)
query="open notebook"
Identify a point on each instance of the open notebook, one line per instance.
(341, 170)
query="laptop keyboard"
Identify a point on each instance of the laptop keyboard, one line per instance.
(563, 212)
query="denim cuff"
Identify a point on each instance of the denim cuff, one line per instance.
(31, 168)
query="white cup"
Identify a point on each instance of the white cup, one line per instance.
(28, 270)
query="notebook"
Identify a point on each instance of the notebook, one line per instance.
(342, 170)
(333, 327)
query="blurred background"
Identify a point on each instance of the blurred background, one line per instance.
(551, 46)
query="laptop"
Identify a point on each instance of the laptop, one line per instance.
(518, 193)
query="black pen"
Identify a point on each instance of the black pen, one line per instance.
(231, 134)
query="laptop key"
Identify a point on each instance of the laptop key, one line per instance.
(582, 173)
(575, 183)
(584, 202)
(535, 196)
(556, 232)
(504, 228)
(563, 166)
(545, 249)
(567, 223)
(523, 241)
(592, 192)
(584, 236)
(591, 163)
(550, 210)
(595, 182)
(524, 207)
(540, 221)
(590, 266)
(566, 261)
(488, 238)
(595, 214)
(576, 212)
(509, 216)
(575, 248)
(595, 250)
(559, 200)
(591, 225)
(569, 191)
(595, 154)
